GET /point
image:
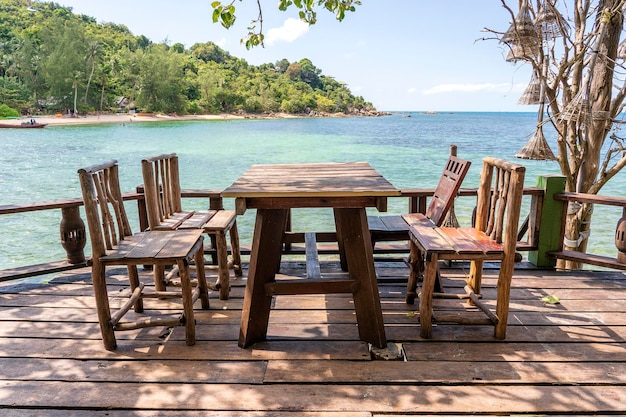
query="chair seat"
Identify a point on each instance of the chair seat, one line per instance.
(209, 220)
(221, 220)
(455, 243)
(155, 247)
(186, 220)
(387, 228)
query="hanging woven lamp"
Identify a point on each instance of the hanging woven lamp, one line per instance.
(537, 148)
(532, 93)
(577, 110)
(550, 23)
(521, 37)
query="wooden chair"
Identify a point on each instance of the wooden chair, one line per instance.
(494, 237)
(396, 228)
(164, 212)
(112, 243)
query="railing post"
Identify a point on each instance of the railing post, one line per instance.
(549, 226)
(142, 211)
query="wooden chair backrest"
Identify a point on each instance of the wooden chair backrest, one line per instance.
(500, 199)
(161, 184)
(447, 189)
(104, 207)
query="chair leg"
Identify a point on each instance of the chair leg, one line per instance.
(201, 276)
(474, 280)
(222, 265)
(133, 277)
(426, 296)
(503, 298)
(98, 277)
(213, 254)
(185, 282)
(235, 249)
(415, 262)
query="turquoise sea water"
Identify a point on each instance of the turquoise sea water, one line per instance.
(41, 164)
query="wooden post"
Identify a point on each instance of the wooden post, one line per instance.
(73, 235)
(142, 212)
(549, 226)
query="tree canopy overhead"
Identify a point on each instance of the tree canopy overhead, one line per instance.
(53, 61)
(225, 14)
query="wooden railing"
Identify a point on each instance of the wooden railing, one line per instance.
(618, 262)
(72, 229)
(529, 238)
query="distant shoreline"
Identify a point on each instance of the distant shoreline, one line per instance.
(131, 118)
(57, 120)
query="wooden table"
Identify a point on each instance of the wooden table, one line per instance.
(347, 188)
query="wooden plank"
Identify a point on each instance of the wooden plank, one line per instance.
(47, 412)
(438, 372)
(40, 269)
(310, 286)
(312, 258)
(431, 240)
(174, 221)
(220, 350)
(162, 371)
(218, 220)
(588, 258)
(373, 398)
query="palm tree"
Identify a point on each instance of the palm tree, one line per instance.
(92, 55)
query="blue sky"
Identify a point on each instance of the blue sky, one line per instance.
(401, 55)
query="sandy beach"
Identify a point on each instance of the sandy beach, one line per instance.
(131, 118)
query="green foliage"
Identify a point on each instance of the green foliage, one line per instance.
(225, 15)
(6, 111)
(54, 61)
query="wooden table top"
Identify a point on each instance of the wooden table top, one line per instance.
(334, 179)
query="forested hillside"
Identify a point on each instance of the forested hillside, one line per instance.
(55, 61)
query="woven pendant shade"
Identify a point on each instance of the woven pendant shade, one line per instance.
(537, 148)
(522, 36)
(576, 110)
(532, 94)
(547, 22)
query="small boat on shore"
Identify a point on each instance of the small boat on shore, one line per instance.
(32, 124)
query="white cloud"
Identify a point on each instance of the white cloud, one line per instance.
(221, 42)
(411, 90)
(475, 88)
(291, 30)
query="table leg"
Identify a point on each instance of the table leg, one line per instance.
(355, 236)
(340, 245)
(264, 264)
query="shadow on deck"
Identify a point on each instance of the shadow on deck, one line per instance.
(567, 358)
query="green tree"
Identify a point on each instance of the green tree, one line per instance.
(160, 78)
(57, 59)
(93, 51)
(64, 65)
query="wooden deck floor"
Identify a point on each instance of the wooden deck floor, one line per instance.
(558, 359)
